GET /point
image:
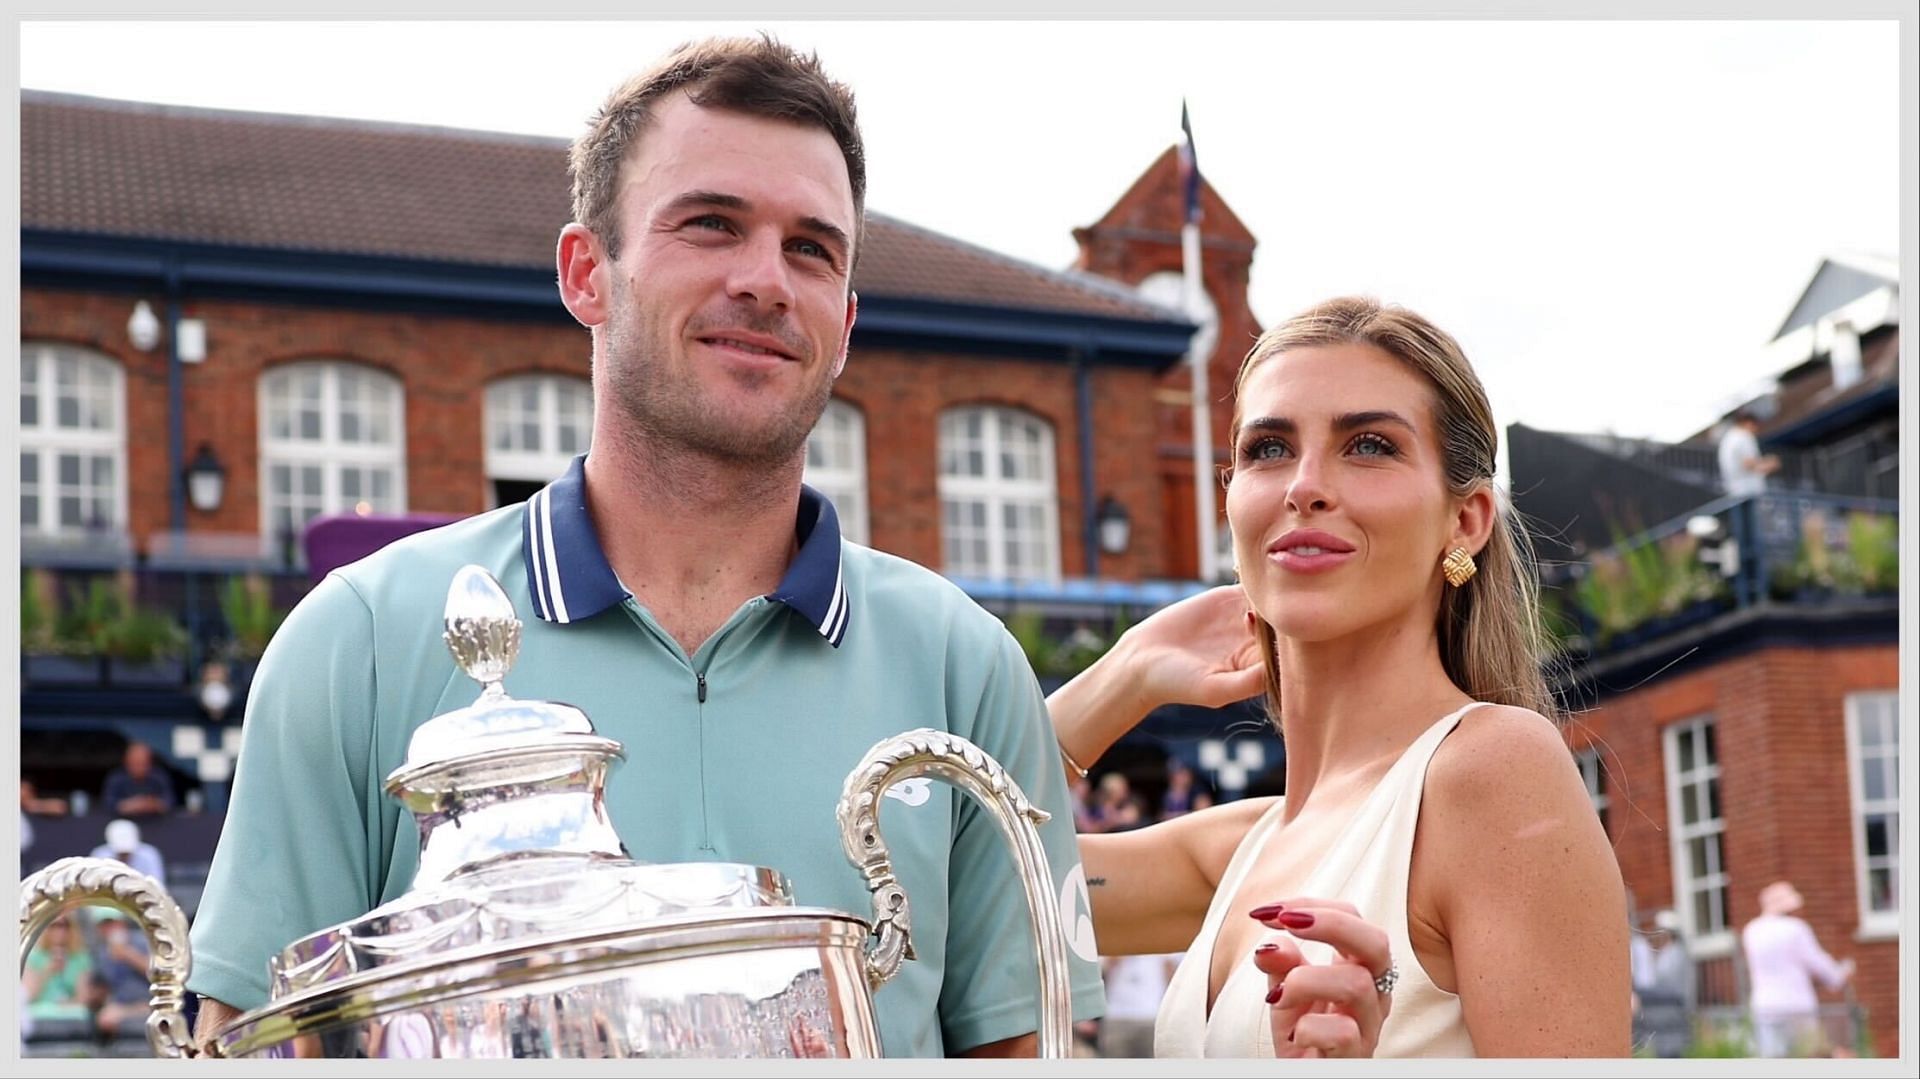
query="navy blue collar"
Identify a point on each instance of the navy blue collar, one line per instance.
(569, 578)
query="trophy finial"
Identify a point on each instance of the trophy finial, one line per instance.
(482, 631)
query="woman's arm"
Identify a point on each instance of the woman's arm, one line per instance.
(1528, 892)
(1150, 888)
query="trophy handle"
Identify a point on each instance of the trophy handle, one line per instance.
(962, 764)
(73, 882)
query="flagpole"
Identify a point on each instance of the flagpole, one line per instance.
(1203, 511)
(1203, 476)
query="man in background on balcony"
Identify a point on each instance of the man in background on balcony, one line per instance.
(137, 788)
(1743, 468)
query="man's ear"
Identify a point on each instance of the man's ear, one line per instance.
(846, 333)
(583, 265)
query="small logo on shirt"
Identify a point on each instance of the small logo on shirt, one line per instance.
(914, 792)
(1076, 914)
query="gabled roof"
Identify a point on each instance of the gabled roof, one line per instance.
(102, 167)
(1840, 280)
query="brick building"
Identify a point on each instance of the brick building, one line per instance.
(345, 317)
(1737, 718)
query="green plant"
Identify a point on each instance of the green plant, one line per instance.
(1059, 657)
(1873, 552)
(1717, 1040)
(247, 604)
(1631, 584)
(36, 627)
(86, 625)
(144, 635)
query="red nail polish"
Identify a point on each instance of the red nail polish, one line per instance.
(1266, 949)
(1273, 997)
(1266, 913)
(1295, 919)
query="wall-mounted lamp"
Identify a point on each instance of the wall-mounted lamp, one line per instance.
(1116, 526)
(143, 327)
(206, 480)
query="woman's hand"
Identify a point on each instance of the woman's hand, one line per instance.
(1200, 650)
(1325, 1009)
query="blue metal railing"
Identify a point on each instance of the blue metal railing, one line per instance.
(1771, 547)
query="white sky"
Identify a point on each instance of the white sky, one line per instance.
(1613, 217)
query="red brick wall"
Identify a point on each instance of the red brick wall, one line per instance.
(1781, 739)
(445, 362)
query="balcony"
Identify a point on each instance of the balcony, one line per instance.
(1815, 556)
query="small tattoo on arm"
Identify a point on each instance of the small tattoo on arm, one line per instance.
(1095, 882)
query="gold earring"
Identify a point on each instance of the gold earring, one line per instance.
(1458, 567)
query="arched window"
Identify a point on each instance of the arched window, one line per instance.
(536, 426)
(332, 440)
(837, 465)
(999, 505)
(73, 441)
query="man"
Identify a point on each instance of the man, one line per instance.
(137, 788)
(1743, 469)
(121, 988)
(681, 587)
(123, 844)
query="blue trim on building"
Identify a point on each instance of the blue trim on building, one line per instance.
(80, 260)
(1810, 429)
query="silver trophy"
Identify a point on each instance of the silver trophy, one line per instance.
(528, 931)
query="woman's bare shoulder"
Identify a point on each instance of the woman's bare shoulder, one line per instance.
(1499, 760)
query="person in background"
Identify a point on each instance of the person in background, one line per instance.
(1135, 986)
(122, 991)
(137, 788)
(55, 980)
(1662, 986)
(1178, 799)
(1743, 468)
(1784, 961)
(123, 844)
(31, 802)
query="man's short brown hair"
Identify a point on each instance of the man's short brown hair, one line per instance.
(756, 76)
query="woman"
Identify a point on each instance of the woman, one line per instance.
(1393, 628)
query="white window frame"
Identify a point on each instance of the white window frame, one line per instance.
(1593, 773)
(1701, 942)
(846, 487)
(328, 452)
(46, 440)
(1874, 923)
(997, 492)
(535, 466)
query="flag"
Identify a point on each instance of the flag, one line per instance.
(1189, 168)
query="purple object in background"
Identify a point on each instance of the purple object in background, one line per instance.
(332, 542)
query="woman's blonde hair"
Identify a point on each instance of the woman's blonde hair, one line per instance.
(1491, 643)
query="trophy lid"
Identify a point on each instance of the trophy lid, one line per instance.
(516, 849)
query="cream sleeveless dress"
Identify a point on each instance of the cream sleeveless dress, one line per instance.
(1366, 866)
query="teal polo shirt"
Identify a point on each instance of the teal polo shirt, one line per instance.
(736, 753)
